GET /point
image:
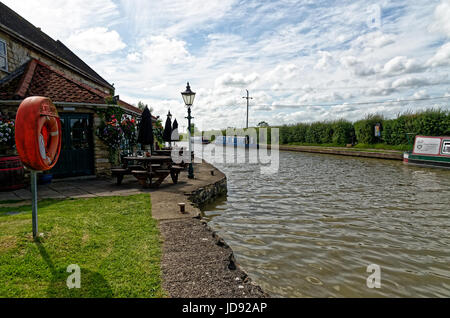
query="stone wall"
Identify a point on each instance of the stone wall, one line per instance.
(18, 54)
(9, 111)
(209, 193)
(101, 152)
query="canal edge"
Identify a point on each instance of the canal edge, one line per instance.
(389, 155)
(234, 281)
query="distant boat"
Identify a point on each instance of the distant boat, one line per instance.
(237, 141)
(429, 151)
(202, 140)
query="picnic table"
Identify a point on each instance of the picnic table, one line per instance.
(168, 152)
(163, 152)
(145, 169)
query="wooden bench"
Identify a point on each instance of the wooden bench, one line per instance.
(119, 173)
(143, 176)
(174, 172)
(159, 171)
(135, 167)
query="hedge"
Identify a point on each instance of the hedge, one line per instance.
(431, 122)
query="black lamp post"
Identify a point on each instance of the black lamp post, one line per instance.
(188, 98)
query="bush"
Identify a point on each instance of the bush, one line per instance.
(319, 133)
(431, 122)
(299, 132)
(342, 132)
(365, 128)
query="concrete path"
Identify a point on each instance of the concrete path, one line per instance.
(92, 187)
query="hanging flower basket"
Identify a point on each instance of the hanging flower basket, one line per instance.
(7, 139)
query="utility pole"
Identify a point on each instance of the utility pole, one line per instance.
(247, 98)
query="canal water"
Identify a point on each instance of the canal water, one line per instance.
(313, 228)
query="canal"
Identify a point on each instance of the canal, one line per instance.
(313, 228)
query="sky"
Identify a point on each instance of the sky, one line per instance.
(302, 61)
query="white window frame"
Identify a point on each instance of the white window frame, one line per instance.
(445, 145)
(6, 55)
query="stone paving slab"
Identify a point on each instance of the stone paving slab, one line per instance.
(8, 196)
(165, 206)
(23, 194)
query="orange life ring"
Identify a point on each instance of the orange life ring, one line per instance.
(38, 133)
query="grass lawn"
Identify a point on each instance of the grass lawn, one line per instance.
(114, 240)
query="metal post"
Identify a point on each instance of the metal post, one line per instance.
(34, 215)
(191, 168)
(247, 97)
(246, 126)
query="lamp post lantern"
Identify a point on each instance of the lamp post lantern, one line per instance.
(188, 98)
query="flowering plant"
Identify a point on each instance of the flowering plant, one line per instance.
(129, 130)
(7, 132)
(111, 132)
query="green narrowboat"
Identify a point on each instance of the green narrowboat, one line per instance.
(429, 151)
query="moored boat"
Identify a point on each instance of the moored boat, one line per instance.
(429, 151)
(236, 141)
(200, 140)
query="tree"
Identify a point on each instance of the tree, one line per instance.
(194, 129)
(263, 124)
(142, 106)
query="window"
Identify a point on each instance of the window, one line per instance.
(446, 147)
(3, 59)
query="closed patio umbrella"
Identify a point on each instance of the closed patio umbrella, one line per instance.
(167, 133)
(145, 134)
(175, 135)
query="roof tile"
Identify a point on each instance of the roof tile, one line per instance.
(38, 79)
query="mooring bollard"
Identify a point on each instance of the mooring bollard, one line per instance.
(182, 207)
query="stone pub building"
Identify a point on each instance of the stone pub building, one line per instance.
(32, 63)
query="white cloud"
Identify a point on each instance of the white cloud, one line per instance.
(236, 80)
(401, 65)
(442, 56)
(96, 40)
(421, 94)
(376, 39)
(356, 66)
(442, 18)
(61, 18)
(325, 61)
(161, 50)
(134, 57)
(410, 81)
(173, 17)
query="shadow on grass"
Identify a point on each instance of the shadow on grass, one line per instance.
(93, 285)
(26, 207)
